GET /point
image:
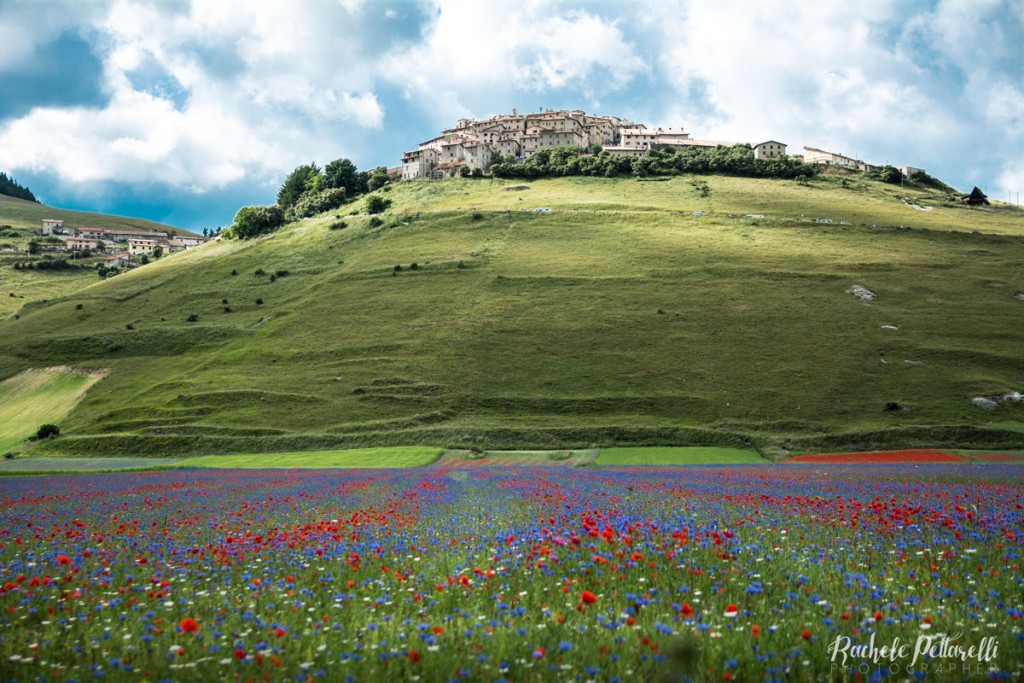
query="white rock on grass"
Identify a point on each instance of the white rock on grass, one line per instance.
(1014, 396)
(862, 293)
(889, 327)
(982, 402)
(1019, 295)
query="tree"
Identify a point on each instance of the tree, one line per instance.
(377, 204)
(100, 246)
(144, 259)
(47, 430)
(33, 247)
(378, 178)
(296, 184)
(310, 205)
(342, 173)
(158, 251)
(253, 221)
(206, 232)
(891, 175)
(11, 188)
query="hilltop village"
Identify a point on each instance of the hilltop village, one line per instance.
(473, 144)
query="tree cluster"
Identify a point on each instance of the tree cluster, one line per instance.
(46, 264)
(309, 190)
(253, 221)
(571, 161)
(11, 188)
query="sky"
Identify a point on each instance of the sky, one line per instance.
(182, 111)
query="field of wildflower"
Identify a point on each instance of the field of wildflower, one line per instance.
(446, 573)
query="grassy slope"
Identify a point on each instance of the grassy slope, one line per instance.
(18, 287)
(618, 318)
(408, 456)
(36, 397)
(19, 213)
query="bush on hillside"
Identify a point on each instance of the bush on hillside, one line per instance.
(253, 221)
(46, 431)
(312, 204)
(377, 204)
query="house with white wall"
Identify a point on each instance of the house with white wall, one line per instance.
(770, 149)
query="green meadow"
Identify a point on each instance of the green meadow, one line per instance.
(37, 397)
(408, 456)
(619, 318)
(678, 456)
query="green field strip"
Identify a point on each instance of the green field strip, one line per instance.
(356, 458)
(684, 455)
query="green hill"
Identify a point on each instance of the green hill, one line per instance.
(614, 317)
(24, 214)
(18, 219)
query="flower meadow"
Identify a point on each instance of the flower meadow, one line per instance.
(509, 573)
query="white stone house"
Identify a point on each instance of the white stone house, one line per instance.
(118, 261)
(813, 155)
(418, 163)
(52, 225)
(771, 149)
(640, 137)
(142, 245)
(82, 243)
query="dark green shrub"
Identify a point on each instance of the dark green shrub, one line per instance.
(192, 318)
(377, 204)
(253, 221)
(47, 430)
(326, 200)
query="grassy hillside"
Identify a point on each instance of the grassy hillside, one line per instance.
(22, 214)
(37, 397)
(617, 318)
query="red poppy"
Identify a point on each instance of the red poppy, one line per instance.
(588, 598)
(878, 616)
(414, 656)
(188, 625)
(806, 635)
(755, 630)
(687, 610)
(63, 559)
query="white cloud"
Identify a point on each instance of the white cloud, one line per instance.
(285, 97)
(507, 44)
(212, 92)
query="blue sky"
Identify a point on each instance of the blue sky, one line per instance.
(181, 111)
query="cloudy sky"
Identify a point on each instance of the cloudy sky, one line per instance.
(183, 110)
